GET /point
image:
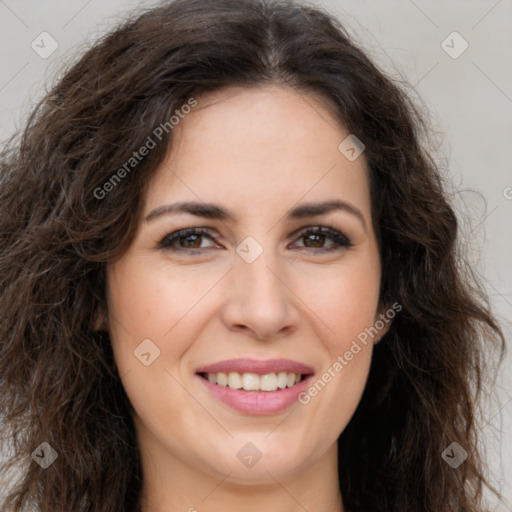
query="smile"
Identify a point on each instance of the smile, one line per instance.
(253, 381)
(256, 387)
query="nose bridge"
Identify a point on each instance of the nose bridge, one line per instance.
(258, 283)
(258, 298)
(259, 276)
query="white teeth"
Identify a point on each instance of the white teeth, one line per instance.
(282, 380)
(269, 382)
(234, 380)
(253, 381)
(222, 379)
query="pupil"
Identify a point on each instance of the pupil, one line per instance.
(316, 238)
(189, 241)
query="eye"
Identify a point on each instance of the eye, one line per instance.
(184, 239)
(315, 238)
(312, 237)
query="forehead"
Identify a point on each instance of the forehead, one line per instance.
(256, 147)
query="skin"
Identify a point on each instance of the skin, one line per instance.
(257, 152)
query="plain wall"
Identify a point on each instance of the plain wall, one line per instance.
(469, 98)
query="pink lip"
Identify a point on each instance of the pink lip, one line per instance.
(257, 402)
(257, 366)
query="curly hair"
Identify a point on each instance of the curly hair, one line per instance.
(58, 378)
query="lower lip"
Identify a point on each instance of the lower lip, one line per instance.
(258, 402)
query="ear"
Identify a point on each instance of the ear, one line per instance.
(384, 319)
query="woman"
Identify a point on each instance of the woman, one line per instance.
(303, 359)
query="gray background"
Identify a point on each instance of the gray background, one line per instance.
(469, 99)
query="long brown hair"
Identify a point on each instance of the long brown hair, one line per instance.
(58, 379)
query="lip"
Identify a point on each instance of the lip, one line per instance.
(257, 402)
(258, 366)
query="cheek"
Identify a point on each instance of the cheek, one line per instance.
(147, 303)
(152, 305)
(153, 302)
(137, 306)
(346, 302)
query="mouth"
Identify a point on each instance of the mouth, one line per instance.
(253, 382)
(254, 386)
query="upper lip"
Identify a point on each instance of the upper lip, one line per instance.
(258, 366)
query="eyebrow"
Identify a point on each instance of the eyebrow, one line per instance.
(213, 211)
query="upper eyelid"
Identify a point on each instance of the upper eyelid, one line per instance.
(207, 231)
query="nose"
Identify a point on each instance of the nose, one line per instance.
(260, 300)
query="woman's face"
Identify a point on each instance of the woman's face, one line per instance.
(254, 298)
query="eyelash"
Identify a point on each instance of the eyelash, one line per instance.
(340, 240)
